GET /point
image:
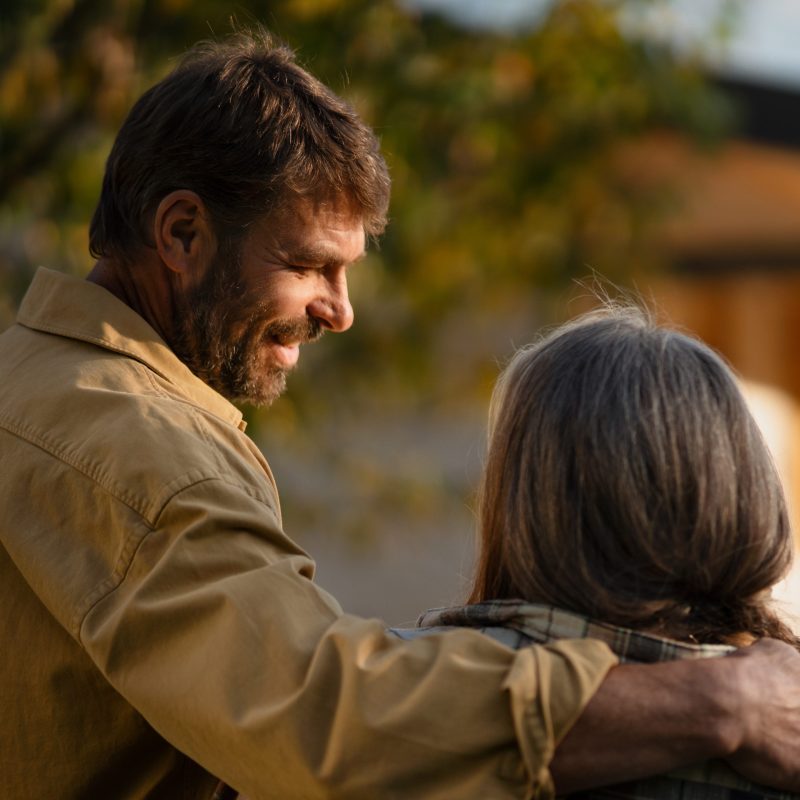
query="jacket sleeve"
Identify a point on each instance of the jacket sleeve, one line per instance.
(217, 635)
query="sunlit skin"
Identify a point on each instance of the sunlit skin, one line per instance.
(237, 314)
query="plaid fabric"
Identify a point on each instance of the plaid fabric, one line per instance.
(541, 624)
(517, 624)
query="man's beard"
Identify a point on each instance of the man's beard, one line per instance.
(221, 335)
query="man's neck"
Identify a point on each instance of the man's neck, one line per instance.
(143, 287)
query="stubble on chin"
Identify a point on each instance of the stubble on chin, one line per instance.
(247, 374)
(226, 352)
(242, 372)
(225, 341)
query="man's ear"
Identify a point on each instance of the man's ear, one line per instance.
(184, 237)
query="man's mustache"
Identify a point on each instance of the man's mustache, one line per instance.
(290, 331)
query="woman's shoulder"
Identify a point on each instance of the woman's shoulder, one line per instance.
(518, 624)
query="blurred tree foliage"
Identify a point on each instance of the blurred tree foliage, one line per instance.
(501, 146)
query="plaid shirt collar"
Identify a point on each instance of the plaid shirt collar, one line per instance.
(543, 623)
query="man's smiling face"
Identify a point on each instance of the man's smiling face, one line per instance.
(285, 284)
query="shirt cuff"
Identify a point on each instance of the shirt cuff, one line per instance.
(550, 685)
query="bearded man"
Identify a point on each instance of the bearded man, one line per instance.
(160, 631)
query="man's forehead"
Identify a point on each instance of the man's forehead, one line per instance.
(312, 212)
(314, 204)
(319, 231)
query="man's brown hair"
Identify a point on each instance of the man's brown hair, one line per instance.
(626, 480)
(247, 129)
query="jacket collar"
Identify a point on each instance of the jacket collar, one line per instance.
(78, 309)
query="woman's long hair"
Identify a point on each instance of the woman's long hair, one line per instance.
(626, 480)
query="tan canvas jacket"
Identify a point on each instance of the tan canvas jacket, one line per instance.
(159, 628)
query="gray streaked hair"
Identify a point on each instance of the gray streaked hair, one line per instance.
(626, 480)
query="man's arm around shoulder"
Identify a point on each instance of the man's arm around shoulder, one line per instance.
(648, 719)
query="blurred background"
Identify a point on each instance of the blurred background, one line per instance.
(537, 149)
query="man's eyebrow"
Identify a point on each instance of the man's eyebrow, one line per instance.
(319, 254)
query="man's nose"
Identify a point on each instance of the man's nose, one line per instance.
(332, 307)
